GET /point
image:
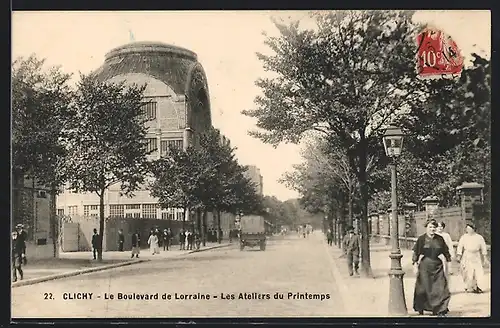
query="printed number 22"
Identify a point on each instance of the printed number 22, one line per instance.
(47, 296)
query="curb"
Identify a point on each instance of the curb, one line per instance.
(345, 295)
(75, 273)
(208, 248)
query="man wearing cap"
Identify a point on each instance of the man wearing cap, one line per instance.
(352, 249)
(95, 244)
(16, 256)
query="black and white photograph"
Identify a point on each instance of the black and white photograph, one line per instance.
(251, 164)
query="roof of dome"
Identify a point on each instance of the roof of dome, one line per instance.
(149, 46)
(165, 62)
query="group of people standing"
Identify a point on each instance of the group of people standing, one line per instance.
(189, 238)
(432, 255)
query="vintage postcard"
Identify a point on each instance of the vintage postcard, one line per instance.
(243, 164)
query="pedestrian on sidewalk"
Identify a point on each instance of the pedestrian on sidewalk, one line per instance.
(190, 240)
(17, 256)
(352, 250)
(447, 238)
(95, 244)
(136, 244)
(430, 260)
(472, 255)
(153, 242)
(22, 235)
(329, 237)
(159, 239)
(121, 240)
(197, 239)
(166, 239)
(182, 240)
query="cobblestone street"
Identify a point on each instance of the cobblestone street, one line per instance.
(291, 265)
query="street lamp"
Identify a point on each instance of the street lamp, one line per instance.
(393, 144)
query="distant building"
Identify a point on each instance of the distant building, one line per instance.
(253, 173)
(178, 107)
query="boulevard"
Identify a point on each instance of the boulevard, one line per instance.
(224, 282)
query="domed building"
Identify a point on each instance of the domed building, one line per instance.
(178, 108)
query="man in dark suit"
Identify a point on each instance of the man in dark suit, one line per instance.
(16, 256)
(22, 236)
(121, 240)
(182, 240)
(136, 244)
(352, 249)
(95, 244)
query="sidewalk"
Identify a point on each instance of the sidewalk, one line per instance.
(74, 263)
(145, 254)
(369, 297)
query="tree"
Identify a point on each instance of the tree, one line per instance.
(40, 102)
(346, 79)
(226, 187)
(106, 144)
(177, 179)
(450, 135)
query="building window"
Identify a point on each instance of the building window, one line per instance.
(90, 210)
(149, 211)
(164, 215)
(166, 145)
(171, 214)
(133, 206)
(151, 144)
(116, 211)
(137, 215)
(129, 215)
(60, 211)
(73, 210)
(149, 109)
(180, 215)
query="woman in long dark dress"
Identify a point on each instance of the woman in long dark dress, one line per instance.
(430, 259)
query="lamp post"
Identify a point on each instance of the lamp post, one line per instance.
(393, 142)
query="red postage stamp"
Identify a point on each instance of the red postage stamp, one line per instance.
(438, 56)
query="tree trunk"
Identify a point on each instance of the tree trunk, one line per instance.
(204, 229)
(33, 212)
(365, 241)
(350, 206)
(101, 225)
(219, 231)
(198, 220)
(184, 219)
(334, 228)
(54, 222)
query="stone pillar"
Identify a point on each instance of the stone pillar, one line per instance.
(431, 204)
(470, 193)
(186, 142)
(158, 145)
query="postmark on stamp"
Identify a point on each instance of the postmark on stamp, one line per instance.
(438, 55)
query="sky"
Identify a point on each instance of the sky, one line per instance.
(226, 43)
